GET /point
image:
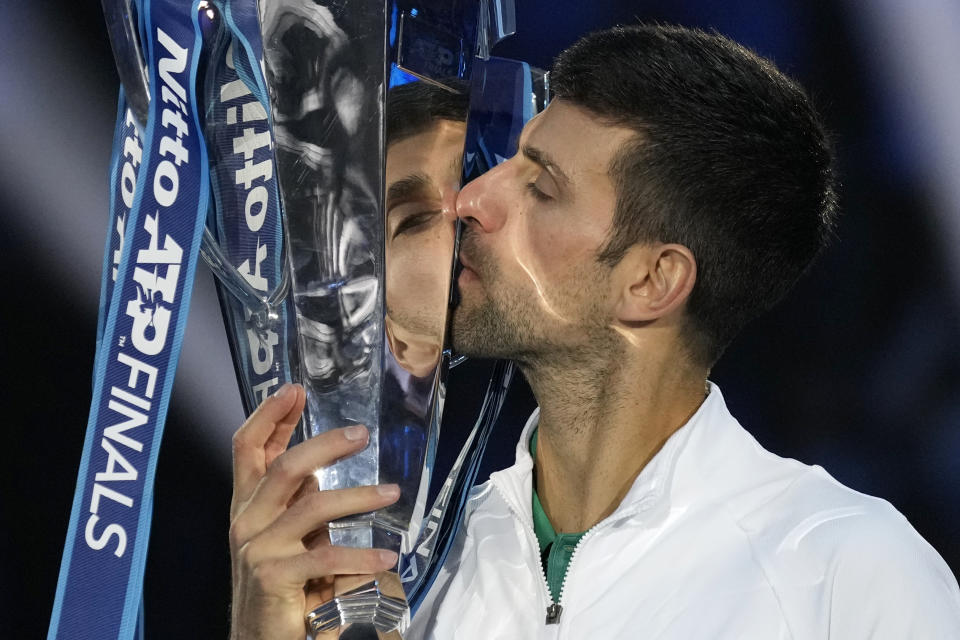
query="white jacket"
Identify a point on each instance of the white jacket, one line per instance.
(716, 539)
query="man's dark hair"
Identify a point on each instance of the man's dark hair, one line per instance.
(415, 107)
(730, 160)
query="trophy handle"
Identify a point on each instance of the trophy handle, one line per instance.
(265, 308)
(420, 568)
(125, 42)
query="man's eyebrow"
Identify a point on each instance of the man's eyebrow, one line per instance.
(541, 158)
(416, 186)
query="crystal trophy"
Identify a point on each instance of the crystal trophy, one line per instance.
(313, 272)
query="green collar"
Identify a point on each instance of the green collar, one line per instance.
(541, 523)
(556, 549)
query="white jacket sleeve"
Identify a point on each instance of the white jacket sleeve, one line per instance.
(890, 584)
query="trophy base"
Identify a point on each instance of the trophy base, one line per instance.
(365, 607)
(375, 610)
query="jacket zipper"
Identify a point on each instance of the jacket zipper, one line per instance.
(573, 556)
(555, 609)
(589, 533)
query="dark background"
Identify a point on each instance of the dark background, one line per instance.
(856, 371)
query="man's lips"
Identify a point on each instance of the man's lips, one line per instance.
(462, 274)
(465, 261)
(467, 272)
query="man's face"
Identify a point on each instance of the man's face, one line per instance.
(531, 283)
(423, 177)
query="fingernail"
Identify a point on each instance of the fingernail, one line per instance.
(389, 558)
(356, 432)
(283, 391)
(388, 490)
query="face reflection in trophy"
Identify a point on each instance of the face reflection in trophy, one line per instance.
(425, 136)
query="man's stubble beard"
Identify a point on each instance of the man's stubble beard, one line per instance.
(491, 323)
(500, 321)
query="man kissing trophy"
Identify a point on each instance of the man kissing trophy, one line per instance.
(330, 137)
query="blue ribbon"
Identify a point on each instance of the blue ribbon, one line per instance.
(101, 574)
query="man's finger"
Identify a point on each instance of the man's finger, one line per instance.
(286, 474)
(332, 560)
(267, 430)
(289, 575)
(280, 438)
(312, 512)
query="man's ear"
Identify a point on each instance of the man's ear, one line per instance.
(653, 281)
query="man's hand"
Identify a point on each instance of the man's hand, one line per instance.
(276, 507)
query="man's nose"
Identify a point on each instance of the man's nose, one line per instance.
(480, 204)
